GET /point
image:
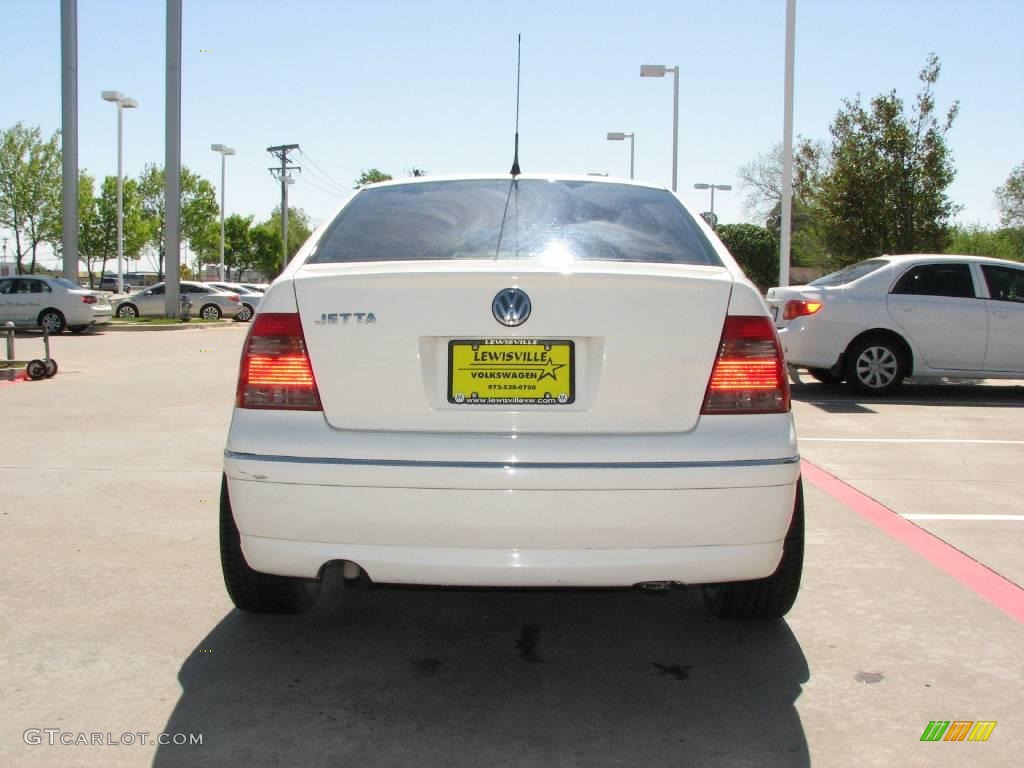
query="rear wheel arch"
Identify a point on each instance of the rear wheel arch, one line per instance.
(889, 335)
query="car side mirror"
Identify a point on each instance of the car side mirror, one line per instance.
(149, 293)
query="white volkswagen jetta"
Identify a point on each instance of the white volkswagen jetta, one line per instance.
(513, 382)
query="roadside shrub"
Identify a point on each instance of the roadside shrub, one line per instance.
(756, 251)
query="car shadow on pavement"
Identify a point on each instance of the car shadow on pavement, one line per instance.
(414, 677)
(956, 393)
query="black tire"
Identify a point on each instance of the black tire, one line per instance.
(128, 312)
(210, 312)
(245, 313)
(51, 368)
(250, 590)
(875, 365)
(35, 370)
(771, 597)
(825, 376)
(53, 321)
(79, 328)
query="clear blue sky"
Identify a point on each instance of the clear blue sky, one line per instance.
(431, 84)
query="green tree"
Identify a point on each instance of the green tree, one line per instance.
(199, 211)
(372, 176)
(30, 189)
(976, 240)
(886, 189)
(97, 220)
(1010, 198)
(756, 250)
(238, 249)
(265, 240)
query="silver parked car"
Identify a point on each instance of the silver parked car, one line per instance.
(207, 302)
(250, 298)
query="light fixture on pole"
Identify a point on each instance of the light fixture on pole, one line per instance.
(224, 152)
(713, 187)
(623, 137)
(660, 70)
(123, 103)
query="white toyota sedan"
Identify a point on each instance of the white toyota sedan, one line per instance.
(881, 320)
(513, 382)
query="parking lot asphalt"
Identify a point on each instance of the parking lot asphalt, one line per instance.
(115, 620)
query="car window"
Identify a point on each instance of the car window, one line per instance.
(952, 280)
(7, 286)
(1004, 283)
(37, 286)
(527, 219)
(158, 290)
(64, 283)
(850, 273)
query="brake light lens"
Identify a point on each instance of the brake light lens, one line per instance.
(797, 308)
(233, 297)
(749, 375)
(275, 371)
(88, 299)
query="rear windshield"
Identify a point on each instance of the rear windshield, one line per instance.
(850, 273)
(557, 221)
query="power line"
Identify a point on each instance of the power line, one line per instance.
(330, 179)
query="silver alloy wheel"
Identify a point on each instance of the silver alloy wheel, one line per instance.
(127, 311)
(877, 367)
(210, 312)
(52, 322)
(245, 313)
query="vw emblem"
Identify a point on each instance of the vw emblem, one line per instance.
(511, 307)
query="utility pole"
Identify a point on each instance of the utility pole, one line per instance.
(281, 174)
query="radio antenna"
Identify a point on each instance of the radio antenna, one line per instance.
(519, 57)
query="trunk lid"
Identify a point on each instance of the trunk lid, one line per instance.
(643, 341)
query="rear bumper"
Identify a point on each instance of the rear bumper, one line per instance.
(551, 516)
(814, 343)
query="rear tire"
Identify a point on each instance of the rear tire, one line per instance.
(210, 312)
(53, 321)
(250, 590)
(875, 365)
(245, 313)
(771, 597)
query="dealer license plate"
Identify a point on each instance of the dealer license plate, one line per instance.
(511, 372)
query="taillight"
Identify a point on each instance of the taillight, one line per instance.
(796, 308)
(234, 297)
(749, 375)
(275, 370)
(88, 299)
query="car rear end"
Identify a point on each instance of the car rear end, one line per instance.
(398, 412)
(816, 322)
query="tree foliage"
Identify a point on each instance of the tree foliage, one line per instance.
(1010, 198)
(976, 240)
(30, 189)
(756, 250)
(886, 188)
(199, 211)
(372, 176)
(97, 221)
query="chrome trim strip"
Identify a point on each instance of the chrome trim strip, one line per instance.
(512, 464)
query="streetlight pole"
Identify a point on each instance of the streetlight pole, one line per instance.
(123, 103)
(713, 187)
(224, 152)
(623, 137)
(660, 70)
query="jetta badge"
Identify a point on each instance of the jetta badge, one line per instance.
(511, 307)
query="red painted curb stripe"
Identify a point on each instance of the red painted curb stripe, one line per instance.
(1001, 592)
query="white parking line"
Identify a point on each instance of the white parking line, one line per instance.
(906, 440)
(1019, 518)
